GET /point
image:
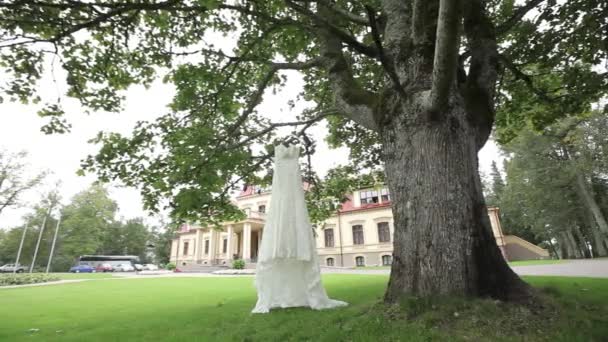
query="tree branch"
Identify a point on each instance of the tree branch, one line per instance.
(384, 59)
(446, 53)
(350, 98)
(515, 19)
(345, 37)
(345, 13)
(480, 83)
(520, 75)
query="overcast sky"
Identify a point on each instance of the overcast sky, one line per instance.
(61, 153)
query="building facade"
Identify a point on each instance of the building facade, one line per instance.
(360, 234)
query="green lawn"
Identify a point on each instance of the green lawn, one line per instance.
(536, 262)
(218, 309)
(83, 275)
(372, 268)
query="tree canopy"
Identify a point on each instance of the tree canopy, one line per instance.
(223, 57)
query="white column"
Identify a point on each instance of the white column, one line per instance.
(229, 247)
(212, 244)
(198, 246)
(247, 241)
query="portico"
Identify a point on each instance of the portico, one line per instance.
(213, 246)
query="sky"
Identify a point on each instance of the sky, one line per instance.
(60, 154)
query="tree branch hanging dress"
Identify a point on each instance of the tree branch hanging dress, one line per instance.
(288, 272)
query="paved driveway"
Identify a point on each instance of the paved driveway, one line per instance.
(573, 268)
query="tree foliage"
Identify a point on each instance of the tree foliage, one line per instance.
(88, 226)
(194, 154)
(548, 174)
(13, 179)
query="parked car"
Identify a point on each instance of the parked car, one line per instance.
(82, 269)
(138, 267)
(124, 268)
(150, 267)
(10, 268)
(104, 268)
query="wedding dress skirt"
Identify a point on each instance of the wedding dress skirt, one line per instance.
(287, 271)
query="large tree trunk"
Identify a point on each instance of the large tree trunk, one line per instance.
(573, 249)
(443, 239)
(582, 242)
(599, 243)
(587, 197)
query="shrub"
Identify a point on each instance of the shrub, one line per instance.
(22, 279)
(238, 264)
(170, 266)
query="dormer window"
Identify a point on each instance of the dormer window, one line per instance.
(385, 194)
(369, 196)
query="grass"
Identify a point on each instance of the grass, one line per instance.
(536, 262)
(218, 309)
(83, 275)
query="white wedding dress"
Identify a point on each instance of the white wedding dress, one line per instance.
(287, 271)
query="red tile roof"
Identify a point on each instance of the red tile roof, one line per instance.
(349, 205)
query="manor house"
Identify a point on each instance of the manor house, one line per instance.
(359, 234)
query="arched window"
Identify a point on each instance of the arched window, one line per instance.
(330, 261)
(360, 261)
(384, 233)
(329, 237)
(358, 234)
(387, 260)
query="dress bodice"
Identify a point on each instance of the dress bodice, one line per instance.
(282, 152)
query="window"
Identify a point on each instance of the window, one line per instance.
(370, 196)
(206, 246)
(329, 237)
(385, 194)
(358, 234)
(360, 261)
(387, 260)
(330, 261)
(186, 248)
(261, 209)
(225, 246)
(384, 233)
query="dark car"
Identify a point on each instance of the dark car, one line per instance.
(104, 268)
(82, 269)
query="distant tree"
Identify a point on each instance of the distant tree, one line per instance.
(495, 188)
(135, 237)
(554, 191)
(85, 221)
(10, 244)
(162, 239)
(13, 180)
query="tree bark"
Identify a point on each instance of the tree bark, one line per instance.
(598, 239)
(582, 242)
(589, 200)
(573, 249)
(443, 242)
